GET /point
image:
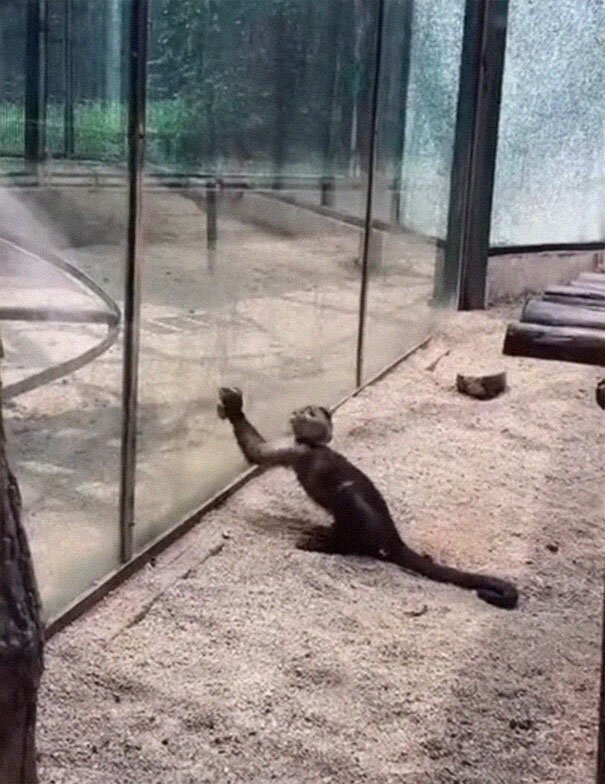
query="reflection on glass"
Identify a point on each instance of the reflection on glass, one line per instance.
(64, 434)
(550, 172)
(12, 87)
(252, 107)
(416, 126)
(432, 97)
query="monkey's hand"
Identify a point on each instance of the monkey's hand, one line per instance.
(230, 403)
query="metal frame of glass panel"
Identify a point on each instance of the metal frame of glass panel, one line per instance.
(462, 277)
(404, 80)
(367, 229)
(35, 80)
(132, 284)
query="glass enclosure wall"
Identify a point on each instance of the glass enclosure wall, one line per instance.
(418, 93)
(242, 285)
(62, 246)
(550, 175)
(266, 124)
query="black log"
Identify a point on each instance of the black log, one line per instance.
(567, 344)
(577, 291)
(585, 302)
(588, 286)
(21, 636)
(592, 278)
(538, 311)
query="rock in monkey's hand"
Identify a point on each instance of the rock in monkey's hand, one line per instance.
(230, 402)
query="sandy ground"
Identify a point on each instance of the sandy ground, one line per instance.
(238, 658)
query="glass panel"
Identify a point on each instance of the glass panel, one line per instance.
(12, 82)
(417, 107)
(252, 108)
(61, 237)
(12, 87)
(550, 175)
(431, 115)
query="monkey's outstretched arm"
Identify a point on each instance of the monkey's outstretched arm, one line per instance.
(253, 445)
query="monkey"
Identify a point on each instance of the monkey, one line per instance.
(362, 523)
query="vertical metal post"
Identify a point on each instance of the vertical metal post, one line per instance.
(327, 191)
(330, 85)
(601, 733)
(363, 294)
(282, 91)
(132, 293)
(462, 278)
(35, 81)
(404, 82)
(211, 224)
(211, 214)
(68, 76)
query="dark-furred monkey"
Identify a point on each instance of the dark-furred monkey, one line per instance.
(362, 522)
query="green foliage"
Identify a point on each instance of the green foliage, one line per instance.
(100, 130)
(275, 81)
(275, 85)
(12, 122)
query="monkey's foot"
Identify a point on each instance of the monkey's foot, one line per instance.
(318, 539)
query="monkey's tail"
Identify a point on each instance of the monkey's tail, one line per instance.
(498, 592)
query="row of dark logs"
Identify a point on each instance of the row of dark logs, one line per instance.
(565, 323)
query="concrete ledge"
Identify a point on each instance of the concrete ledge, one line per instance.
(510, 276)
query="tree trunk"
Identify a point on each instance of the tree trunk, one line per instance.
(21, 636)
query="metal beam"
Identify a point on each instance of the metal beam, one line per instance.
(363, 294)
(461, 280)
(35, 80)
(69, 143)
(132, 292)
(404, 83)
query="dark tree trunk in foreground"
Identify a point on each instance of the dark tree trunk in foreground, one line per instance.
(21, 636)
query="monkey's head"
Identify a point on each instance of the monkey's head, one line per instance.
(312, 425)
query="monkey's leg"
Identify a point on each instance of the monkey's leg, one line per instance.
(359, 527)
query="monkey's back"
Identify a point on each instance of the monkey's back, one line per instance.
(324, 474)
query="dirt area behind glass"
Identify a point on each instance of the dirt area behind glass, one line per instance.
(238, 658)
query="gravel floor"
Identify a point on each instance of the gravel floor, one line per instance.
(238, 658)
